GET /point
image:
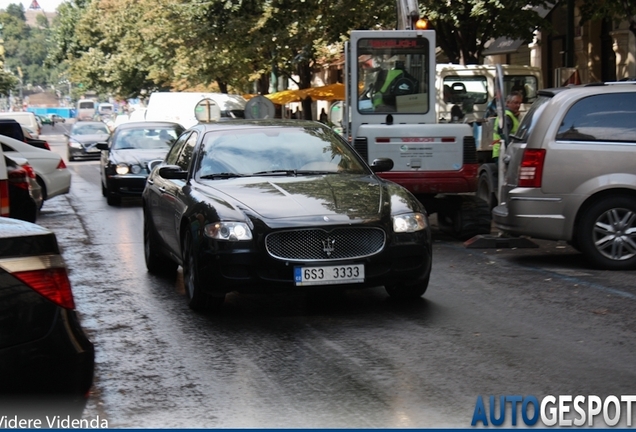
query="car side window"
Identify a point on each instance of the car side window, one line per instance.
(606, 117)
(175, 150)
(185, 156)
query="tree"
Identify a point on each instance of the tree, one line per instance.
(610, 9)
(464, 26)
(8, 83)
(26, 47)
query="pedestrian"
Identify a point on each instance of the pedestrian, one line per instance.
(323, 116)
(513, 103)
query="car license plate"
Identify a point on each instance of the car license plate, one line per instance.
(329, 275)
(93, 150)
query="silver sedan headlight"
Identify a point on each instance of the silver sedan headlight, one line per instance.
(230, 231)
(410, 222)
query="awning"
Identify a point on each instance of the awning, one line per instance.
(287, 96)
(328, 92)
(502, 45)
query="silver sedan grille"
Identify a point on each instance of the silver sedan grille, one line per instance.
(323, 245)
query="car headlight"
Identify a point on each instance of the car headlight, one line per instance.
(409, 222)
(231, 231)
(122, 169)
(75, 144)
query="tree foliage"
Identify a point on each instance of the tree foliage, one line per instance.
(610, 9)
(26, 47)
(465, 26)
(127, 47)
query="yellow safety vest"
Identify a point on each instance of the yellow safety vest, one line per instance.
(496, 143)
(390, 76)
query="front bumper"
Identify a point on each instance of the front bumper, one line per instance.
(127, 185)
(530, 213)
(235, 268)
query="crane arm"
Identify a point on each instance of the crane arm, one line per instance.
(408, 12)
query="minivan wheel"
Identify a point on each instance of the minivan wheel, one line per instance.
(607, 234)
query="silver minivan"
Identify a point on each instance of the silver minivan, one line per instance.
(571, 173)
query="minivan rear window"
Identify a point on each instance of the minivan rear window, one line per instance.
(606, 117)
(525, 127)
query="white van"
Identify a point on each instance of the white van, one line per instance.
(470, 89)
(26, 119)
(86, 109)
(179, 107)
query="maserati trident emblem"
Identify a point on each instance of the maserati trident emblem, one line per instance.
(328, 246)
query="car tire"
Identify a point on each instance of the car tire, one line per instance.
(112, 198)
(464, 217)
(155, 262)
(485, 190)
(104, 191)
(408, 290)
(197, 299)
(604, 237)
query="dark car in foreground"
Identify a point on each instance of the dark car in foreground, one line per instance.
(125, 156)
(259, 206)
(46, 359)
(83, 138)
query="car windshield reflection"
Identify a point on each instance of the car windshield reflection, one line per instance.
(276, 152)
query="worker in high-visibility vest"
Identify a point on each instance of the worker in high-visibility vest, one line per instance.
(513, 103)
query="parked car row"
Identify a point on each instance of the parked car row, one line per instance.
(47, 172)
(46, 359)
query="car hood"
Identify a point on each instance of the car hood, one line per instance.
(136, 157)
(89, 139)
(337, 196)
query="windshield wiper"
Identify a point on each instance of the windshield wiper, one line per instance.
(316, 172)
(276, 173)
(224, 175)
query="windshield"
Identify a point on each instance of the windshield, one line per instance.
(392, 75)
(145, 138)
(277, 150)
(528, 121)
(90, 129)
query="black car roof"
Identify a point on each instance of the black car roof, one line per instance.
(147, 124)
(248, 124)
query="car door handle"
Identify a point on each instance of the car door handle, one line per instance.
(150, 182)
(162, 189)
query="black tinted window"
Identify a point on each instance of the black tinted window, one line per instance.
(608, 117)
(184, 158)
(175, 150)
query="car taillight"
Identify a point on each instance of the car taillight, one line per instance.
(4, 198)
(19, 178)
(46, 144)
(531, 169)
(61, 165)
(29, 169)
(44, 274)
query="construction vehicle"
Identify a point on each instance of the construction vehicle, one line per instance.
(390, 101)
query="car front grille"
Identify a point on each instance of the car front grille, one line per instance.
(323, 245)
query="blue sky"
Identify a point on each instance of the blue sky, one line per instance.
(45, 5)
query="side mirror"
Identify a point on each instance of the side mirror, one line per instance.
(381, 165)
(173, 172)
(153, 163)
(102, 145)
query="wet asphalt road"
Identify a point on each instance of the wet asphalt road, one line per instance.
(493, 322)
